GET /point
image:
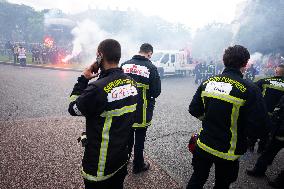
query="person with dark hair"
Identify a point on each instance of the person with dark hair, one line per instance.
(147, 48)
(141, 69)
(272, 90)
(274, 146)
(109, 105)
(231, 109)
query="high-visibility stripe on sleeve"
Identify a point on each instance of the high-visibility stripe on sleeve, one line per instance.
(76, 110)
(72, 98)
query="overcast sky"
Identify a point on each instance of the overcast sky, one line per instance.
(193, 13)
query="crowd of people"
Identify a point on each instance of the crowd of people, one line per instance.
(40, 53)
(204, 70)
(119, 105)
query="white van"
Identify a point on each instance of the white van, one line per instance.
(172, 62)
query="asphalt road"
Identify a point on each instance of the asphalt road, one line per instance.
(33, 99)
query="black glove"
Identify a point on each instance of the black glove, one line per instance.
(83, 139)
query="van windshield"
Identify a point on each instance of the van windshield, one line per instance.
(156, 56)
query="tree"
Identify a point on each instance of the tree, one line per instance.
(261, 26)
(210, 41)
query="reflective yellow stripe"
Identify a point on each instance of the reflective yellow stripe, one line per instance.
(142, 85)
(73, 98)
(144, 108)
(119, 112)
(104, 147)
(98, 178)
(237, 103)
(105, 134)
(224, 97)
(137, 125)
(234, 128)
(222, 155)
(265, 86)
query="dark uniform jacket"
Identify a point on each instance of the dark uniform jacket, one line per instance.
(272, 89)
(277, 119)
(231, 109)
(109, 105)
(148, 81)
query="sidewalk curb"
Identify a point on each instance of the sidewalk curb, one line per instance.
(42, 67)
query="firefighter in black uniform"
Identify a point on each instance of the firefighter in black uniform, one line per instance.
(231, 109)
(272, 90)
(109, 105)
(203, 71)
(197, 71)
(273, 147)
(141, 69)
(211, 69)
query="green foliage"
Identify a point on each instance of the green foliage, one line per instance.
(261, 26)
(20, 23)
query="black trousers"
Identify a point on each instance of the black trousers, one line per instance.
(137, 135)
(114, 182)
(268, 155)
(226, 172)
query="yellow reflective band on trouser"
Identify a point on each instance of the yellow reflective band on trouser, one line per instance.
(265, 86)
(237, 103)
(144, 110)
(73, 98)
(222, 155)
(105, 134)
(101, 178)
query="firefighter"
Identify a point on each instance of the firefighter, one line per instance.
(141, 69)
(211, 68)
(197, 71)
(272, 90)
(250, 73)
(274, 146)
(109, 105)
(203, 71)
(231, 109)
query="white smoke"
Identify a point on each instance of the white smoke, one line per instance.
(87, 35)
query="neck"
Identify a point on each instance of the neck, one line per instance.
(143, 54)
(108, 66)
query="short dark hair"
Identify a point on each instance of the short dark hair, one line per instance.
(146, 48)
(236, 57)
(110, 49)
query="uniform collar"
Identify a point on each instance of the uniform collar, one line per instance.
(105, 73)
(140, 57)
(234, 71)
